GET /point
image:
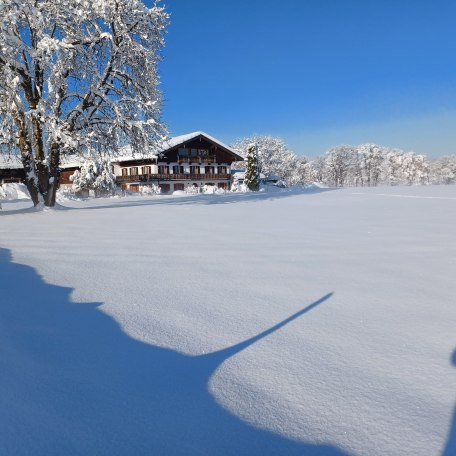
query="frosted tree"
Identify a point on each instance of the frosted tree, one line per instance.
(274, 156)
(415, 169)
(370, 159)
(405, 168)
(95, 174)
(75, 74)
(302, 172)
(339, 161)
(318, 170)
(443, 170)
(252, 175)
(392, 170)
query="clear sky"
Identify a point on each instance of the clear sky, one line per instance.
(315, 72)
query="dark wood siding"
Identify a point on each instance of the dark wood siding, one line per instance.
(65, 175)
(12, 175)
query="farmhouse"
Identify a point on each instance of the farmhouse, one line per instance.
(11, 169)
(195, 159)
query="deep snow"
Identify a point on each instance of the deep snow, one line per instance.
(281, 323)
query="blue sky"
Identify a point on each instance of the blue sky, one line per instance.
(316, 73)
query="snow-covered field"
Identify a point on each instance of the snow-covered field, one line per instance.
(254, 324)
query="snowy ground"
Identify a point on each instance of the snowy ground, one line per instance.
(282, 323)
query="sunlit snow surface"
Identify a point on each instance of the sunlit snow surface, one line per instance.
(188, 350)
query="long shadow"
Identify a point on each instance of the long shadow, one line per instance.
(201, 200)
(72, 383)
(450, 449)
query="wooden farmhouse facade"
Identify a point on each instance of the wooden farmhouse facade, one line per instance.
(195, 159)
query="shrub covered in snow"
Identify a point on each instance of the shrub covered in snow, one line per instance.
(192, 189)
(150, 190)
(95, 174)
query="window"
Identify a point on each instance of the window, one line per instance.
(165, 188)
(134, 171)
(194, 153)
(194, 170)
(222, 185)
(163, 169)
(146, 170)
(178, 170)
(183, 152)
(124, 171)
(209, 170)
(202, 152)
(179, 187)
(222, 170)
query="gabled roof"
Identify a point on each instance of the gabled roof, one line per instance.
(176, 141)
(182, 139)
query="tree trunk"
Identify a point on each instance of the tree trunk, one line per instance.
(29, 167)
(53, 175)
(42, 180)
(30, 177)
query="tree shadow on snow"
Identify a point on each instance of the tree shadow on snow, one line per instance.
(450, 449)
(72, 383)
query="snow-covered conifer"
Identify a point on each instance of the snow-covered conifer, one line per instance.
(75, 74)
(252, 175)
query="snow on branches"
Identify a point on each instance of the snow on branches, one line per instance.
(274, 156)
(95, 174)
(363, 165)
(370, 165)
(75, 76)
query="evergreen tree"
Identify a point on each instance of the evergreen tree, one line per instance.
(252, 178)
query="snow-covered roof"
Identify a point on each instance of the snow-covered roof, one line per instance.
(10, 161)
(70, 161)
(177, 140)
(128, 155)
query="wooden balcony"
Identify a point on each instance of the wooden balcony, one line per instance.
(171, 177)
(200, 160)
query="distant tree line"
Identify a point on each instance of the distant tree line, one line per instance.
(366, 165)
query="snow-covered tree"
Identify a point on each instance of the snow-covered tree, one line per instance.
(318, 172)
(443, 170)
(95, 174)
(74, 74)
(339, 161)
(274, 156)
(302, 172)
(405, 168)
(370, 159)
(252, 175)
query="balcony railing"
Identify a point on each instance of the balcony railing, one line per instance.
(211, 159)
(171, 177)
